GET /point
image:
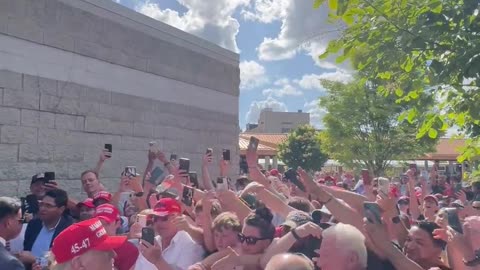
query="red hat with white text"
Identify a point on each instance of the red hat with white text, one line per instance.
(82, 237)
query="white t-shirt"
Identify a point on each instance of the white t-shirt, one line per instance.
(180, 254)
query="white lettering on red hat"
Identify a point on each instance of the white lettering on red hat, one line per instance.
(77, 247)
(95, 226)
(101, 233)
(104, 210)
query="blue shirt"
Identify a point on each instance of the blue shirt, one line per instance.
(42, 243)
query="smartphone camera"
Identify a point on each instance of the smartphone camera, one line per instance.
(109, 149)
(49, 176)
(130, 171)
(226, 154)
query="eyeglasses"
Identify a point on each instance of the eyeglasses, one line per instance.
(249, 240)
(162, 219)
(46, 205)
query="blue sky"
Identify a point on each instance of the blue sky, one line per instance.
(278, 42)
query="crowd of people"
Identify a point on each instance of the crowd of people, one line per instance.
(168, 219)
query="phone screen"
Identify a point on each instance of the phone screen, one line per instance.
(187, 196)
(291, 175)
(373, 212)
(173, 157)
(155, 175)
(49, 176)
(226, 154)
(193, 179)
(148, 235)
(184, 164)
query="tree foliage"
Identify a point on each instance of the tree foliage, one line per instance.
(302, 149)
(363, 130)
(417, 48)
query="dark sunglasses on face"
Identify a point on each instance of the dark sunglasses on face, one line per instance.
(249, 240)
(162, 219)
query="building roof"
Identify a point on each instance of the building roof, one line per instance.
(447, 149)
(262, 150)
(269, 139)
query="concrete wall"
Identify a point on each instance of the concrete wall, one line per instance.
(280, 122)
(76, 74)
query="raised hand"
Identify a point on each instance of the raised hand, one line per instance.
(308, 229)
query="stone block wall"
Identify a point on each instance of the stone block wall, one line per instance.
(77, 74)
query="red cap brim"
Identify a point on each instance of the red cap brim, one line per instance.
(110, 243)
(160, 213)
(107, 219)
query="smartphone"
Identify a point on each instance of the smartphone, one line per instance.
(209, 151)
(253, 145)
(373, 212)
(155, 175)
(366, 177)
(187, 196)
(226, 154)
(291, 175)
(193, 179)
(184, 164)
(148, 235)
(130, 171)
(49, 176)
(454, 220)
(42, 262)
(142, 220)
(173, 157)
(383, 187)
(108, 147)
(222, 184)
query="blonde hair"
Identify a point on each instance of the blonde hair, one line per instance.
(227, 221)
(348, 238)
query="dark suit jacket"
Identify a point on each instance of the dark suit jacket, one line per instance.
(35, 226)
(8, 261)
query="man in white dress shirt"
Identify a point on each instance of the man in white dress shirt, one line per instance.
(178, 250)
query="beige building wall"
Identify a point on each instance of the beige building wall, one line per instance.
(77, 74)
(280, 122)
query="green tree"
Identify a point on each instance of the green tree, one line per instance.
(362, 129)
(417, 48)
(302, 149)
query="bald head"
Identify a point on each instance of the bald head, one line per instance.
(289, 261)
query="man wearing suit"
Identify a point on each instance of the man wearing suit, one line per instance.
(10, 226)
(41, 232)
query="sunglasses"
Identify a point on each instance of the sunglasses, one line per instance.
(249, 240)
(162, 219)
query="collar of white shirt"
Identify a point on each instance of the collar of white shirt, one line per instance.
(3, 241)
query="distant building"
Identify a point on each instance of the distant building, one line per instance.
(251, 127)
(280, 122)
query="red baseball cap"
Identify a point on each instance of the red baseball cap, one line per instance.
(103, 195)
(82, 237)
(87, 202)
(167, 206)
(107, 212)
(274, 172)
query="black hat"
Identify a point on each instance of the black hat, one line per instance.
(37, 178)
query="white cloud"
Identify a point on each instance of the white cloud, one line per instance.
(252, 75)
(316, 113)
(304, 29)
(211, 20)
(286, 90)
(312, 81)
(265, 11)
(257, 106)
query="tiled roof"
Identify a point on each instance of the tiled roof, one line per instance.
(447, 149)
(262, 150)
(270, 139)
